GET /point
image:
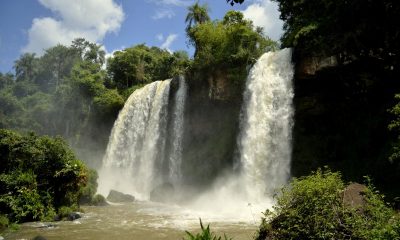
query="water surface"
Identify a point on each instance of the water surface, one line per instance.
(138, 220)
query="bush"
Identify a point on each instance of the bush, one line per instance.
(38, 175)
(88, 193)
(312, 207)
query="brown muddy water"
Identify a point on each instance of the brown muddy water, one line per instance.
(138, 220)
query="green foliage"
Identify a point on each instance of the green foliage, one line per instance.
(6, 80)
(205, 234)
(197, 14)
(347, 29)
(62, 93)
(312, 207)
(99, 200)
(230, 45)
(4, 222)
(141, 64)
(88, 193)
(395, 126)
(37, 175)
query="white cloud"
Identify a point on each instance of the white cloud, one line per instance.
(160, 37)
(265, 13)
(165, 7)
(90, 19)
(163, 13)
(111, 54)
(168, 42)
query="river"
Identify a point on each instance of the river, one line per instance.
(138, 220)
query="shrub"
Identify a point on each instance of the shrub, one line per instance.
(88, 193)
(26, 161)
(312, 207)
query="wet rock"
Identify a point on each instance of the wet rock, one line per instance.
(163, 193)
(57, 218)
(48, 225)
(74, 215)
(99, 200)
(118, 197)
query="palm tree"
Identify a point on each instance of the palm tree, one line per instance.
(232, 2)
(197, 14)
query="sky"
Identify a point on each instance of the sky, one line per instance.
(35, 25)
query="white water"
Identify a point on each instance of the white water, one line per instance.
(266, 125)
(264, 143)
(175, 160)
(132, 159)
(135, 155)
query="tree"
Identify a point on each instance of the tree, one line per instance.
(26, 67)
(346, 29)
(232, 2)
(6, 80)
(55, 66)
(141, 64)
(197, 14)
(230, 43)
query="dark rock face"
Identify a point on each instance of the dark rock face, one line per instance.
(341, 119)
(211, 127)
(118, 197)
(163, 193)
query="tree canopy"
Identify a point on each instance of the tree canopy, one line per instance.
(232, 44)
(141, 64)
(197, 14)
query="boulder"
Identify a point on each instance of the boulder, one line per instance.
(74, 215)
(163, 193)
(353, 195)
(119, 197)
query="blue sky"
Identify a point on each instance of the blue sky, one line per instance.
(34, 25)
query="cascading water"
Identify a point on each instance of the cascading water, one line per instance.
(266, 123)
(175, 159)
(264, 143)
(145, 148)
(136, 153)
(133, 157)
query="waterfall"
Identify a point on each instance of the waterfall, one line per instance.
(266, 122)
(133, 158)
(175, 160)
(145, 147)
